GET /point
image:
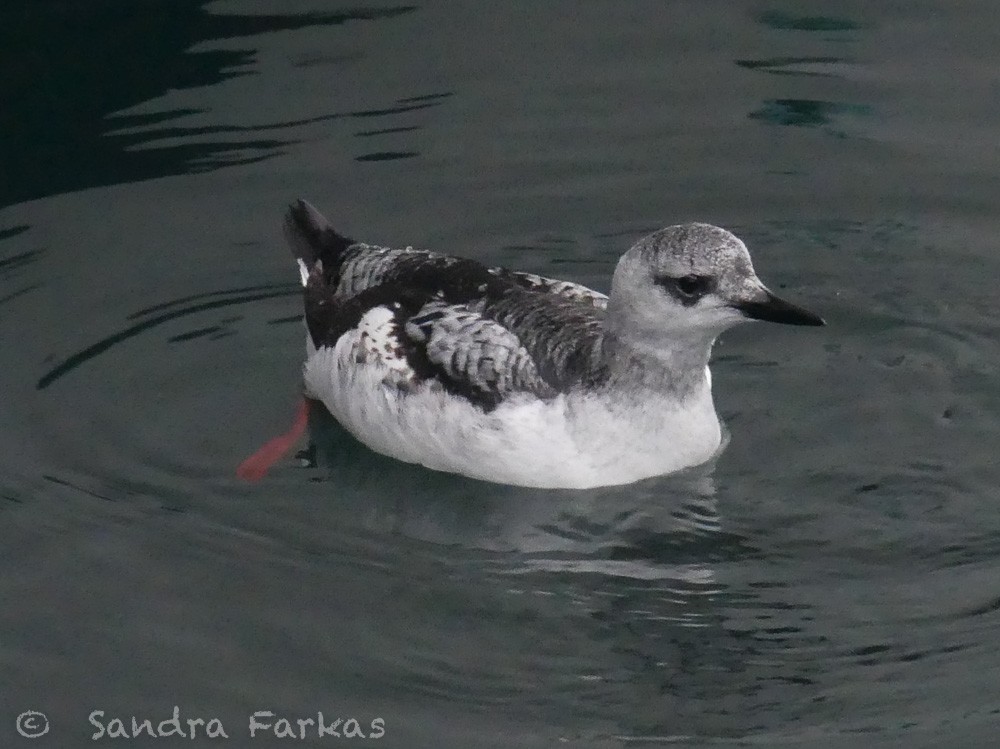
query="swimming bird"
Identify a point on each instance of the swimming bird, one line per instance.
(515, 378)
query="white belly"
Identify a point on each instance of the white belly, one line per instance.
(571, 441)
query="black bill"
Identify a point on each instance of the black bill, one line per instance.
(776, 309)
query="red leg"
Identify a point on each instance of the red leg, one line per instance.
(257, 465)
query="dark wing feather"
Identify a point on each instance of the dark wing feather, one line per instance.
(563, 337)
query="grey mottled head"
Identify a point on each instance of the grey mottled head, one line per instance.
(691, 281)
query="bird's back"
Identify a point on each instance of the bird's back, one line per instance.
(490, 332)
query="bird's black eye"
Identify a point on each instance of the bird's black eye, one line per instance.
(688, 289)
(691, 286)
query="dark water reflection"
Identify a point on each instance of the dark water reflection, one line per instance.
(74, 67)
(792, 22)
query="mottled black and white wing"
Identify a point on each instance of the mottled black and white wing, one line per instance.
(483, 333)
(574, 292)
(474, 356)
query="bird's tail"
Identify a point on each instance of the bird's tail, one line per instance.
(313, 239)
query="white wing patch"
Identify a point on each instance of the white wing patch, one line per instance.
(376, 342)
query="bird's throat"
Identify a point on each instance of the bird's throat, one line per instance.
(663, 366)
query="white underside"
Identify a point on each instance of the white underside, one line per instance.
(578, 440)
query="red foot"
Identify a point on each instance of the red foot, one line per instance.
(257, 465)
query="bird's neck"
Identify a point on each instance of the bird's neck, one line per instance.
(675, 366)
